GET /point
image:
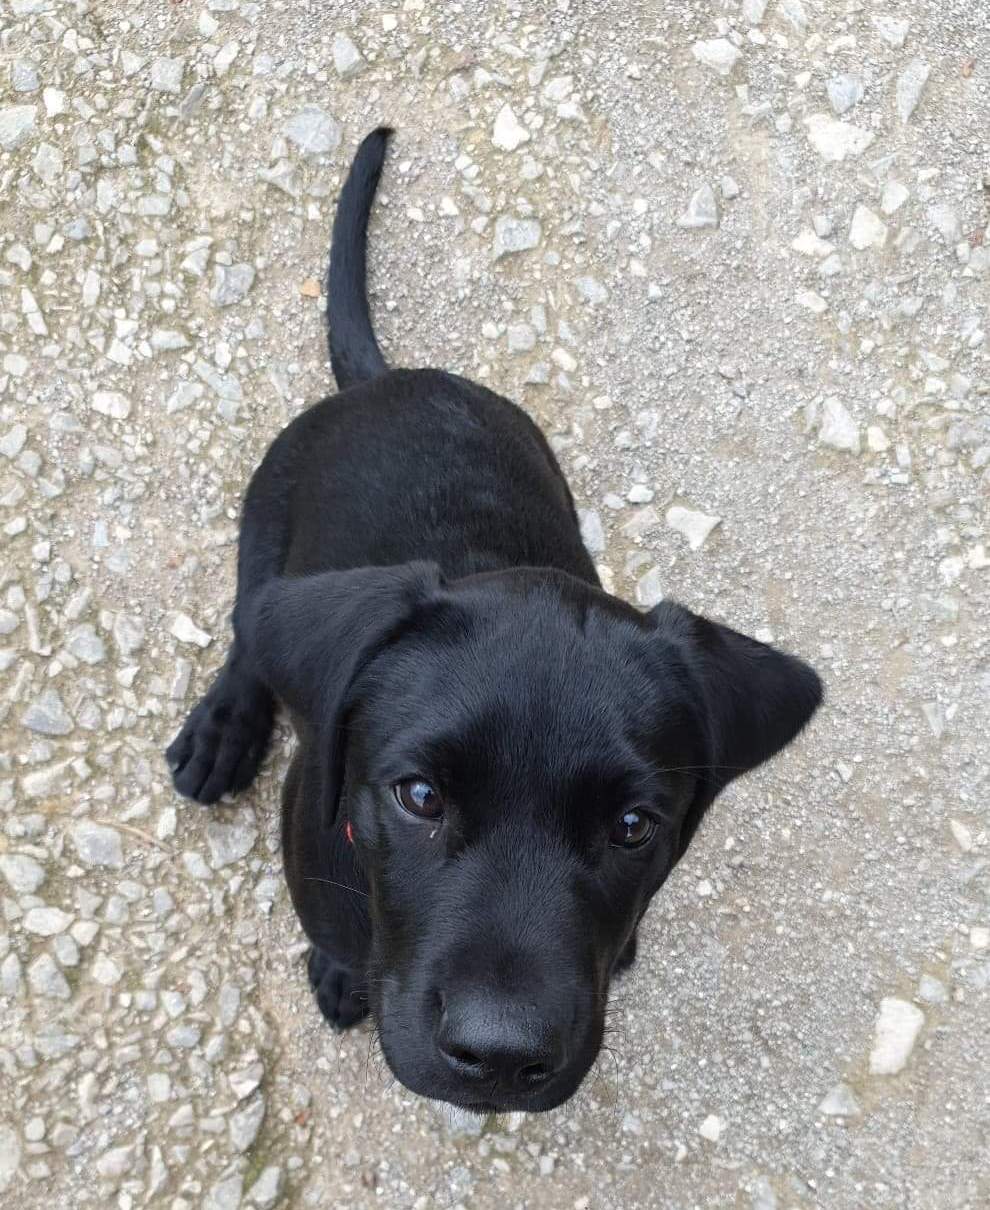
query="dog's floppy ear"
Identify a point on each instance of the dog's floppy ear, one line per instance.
(309, 637)
(755, 699)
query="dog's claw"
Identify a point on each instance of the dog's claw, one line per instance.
(339, 989)
(224, 739)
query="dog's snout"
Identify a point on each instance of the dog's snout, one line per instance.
(508, 1045)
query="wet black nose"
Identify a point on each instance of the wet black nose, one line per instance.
(507, 1044)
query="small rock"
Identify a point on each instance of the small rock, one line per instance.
(694, 525)
(265, 1191)
(893, 31)
(649, 588)
(166, 74)
(844, 91)
(945, 220)
(897, 1027)
(592, 530)
(877, 441)
(840, 1103)
(47, 715)
(231, 283)
(960, 834)
(24, 76)
(46, 921)
(838, 429)
(347, 58)
(128, 634)
(717, 53)
(910, 85)
(508, 132)
(23, 873)
(711, 1128)
(225, 1194)
(45, 979)
(230, 842)
(702, 209)
(932, 990)
(186, 631)
(112, 403)
(515, 235)
(10, 1154)
(106, 972)
(16, 124)
(893, 197)
(245, 1124)
(313, 131)
(834, 140)
(867, 229)
(13, 441)
(793, 11)
(96, 844)
(85, 644)
(591, 290)
(521, 338)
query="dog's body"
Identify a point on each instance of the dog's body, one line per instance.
(498, 762)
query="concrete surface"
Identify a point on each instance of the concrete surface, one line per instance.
(739, 302)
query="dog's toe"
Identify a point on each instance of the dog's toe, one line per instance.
(222, 744)
(340, 991)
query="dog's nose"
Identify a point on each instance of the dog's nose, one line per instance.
(506, 1043)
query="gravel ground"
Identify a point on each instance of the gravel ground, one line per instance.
(732, 257)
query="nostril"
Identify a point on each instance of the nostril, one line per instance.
(534, 1073)
(460, 1054)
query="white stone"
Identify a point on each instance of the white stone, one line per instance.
(893, 31)
(347, 60)
(230, 842)
(835, 140)
(23, 873)
(910, 85)
(96, 844)
(45, 979)
(231, 283)
(245, 1124)
(897, 1027)
(166, 74)
(16, 124)
(649, 588)
(592, 530)
(932, 990)
(46, 921)
(960, 834)
(515, 235)
(692, 524)
(844, 91)
(186, 631)
(112, 403)
(838, 429)
(313, 131)
(10, 1154)
(47, 715)
(702, 210)
(867, 229)
(265, 1191)
(876, 439)
(508, 132)
(717, 53)
(893, 197)
(809, 244)
(794, 12)
(711, 1128)
(840, 1102)
(753, 10)
(591, 290)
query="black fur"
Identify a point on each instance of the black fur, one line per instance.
(413, 586)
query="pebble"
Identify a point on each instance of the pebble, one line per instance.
(932, 990)
(692, 524)
(23, 874)
(893, 197)
(166, 74)
(508, 132)
(267, 1189)
(185, 630)
(893, 31)
(844, 91)
(111, 403)
(520, 338)
(230, 842)
(10, 1154)
(47, 715)
(840, 1102)
(867, 229)
(649, 588)
(128, 634)
(225, 1194)
(96, 844)
(515, 235)
(313, 131)
(592, 530)
(591, 290)
(244, 1125)
(717, 53)
(24, 76)
(838, 429)
(16, 124)
(231, 283)
(13, 441)
(711, 1128)
(46, 921)
(347, 59)
(897, 1027)
(834, 140)
(910, 85)
(702, 210)
(45, 979)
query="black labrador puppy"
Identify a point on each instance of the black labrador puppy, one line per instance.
(498, 763)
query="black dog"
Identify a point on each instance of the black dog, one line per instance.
(498, 762)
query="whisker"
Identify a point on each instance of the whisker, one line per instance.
(330, 882)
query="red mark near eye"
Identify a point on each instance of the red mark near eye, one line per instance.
(349, 832)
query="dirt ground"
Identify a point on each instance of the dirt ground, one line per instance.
(733, 257)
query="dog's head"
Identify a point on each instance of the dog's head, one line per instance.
(522, 760)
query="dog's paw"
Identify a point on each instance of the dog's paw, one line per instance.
(340, 990)
(224, 740)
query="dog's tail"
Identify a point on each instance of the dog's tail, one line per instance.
(354, 352)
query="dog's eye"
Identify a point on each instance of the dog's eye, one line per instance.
(632, 830)
(418, 798)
